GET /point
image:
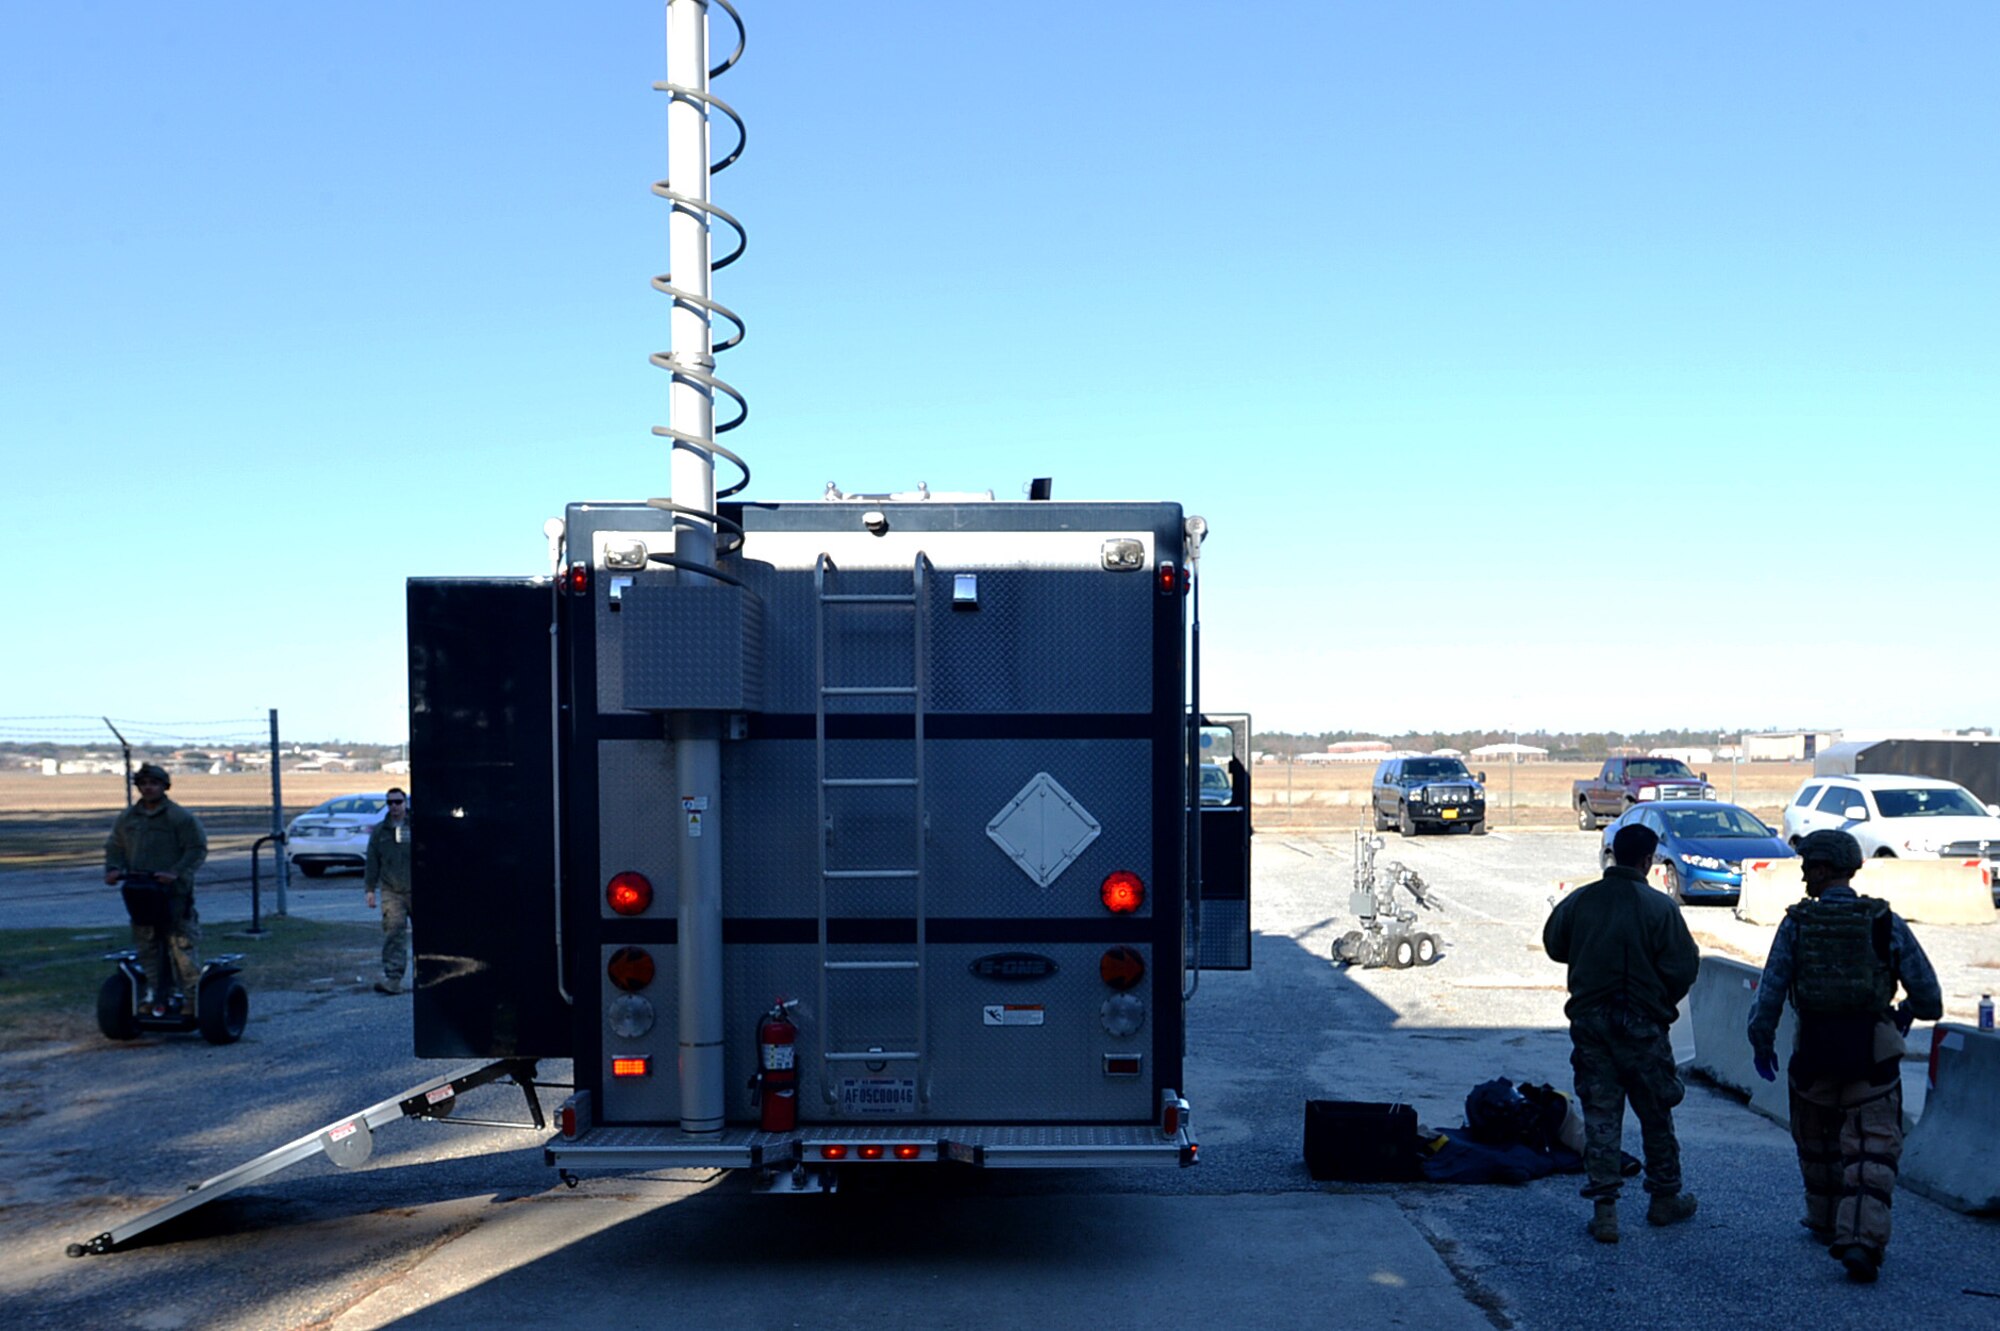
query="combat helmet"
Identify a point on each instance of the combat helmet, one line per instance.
(1833, 847)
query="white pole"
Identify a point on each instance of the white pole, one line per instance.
(697, 747)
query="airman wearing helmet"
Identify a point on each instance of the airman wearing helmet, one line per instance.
(157, 842)
(1839, 956)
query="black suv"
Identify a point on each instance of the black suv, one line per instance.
(1411, 794)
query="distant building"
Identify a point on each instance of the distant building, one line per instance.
(1785, 746)
(1692, 757)
(1525, 753)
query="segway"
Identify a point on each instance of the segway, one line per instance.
(220, 1007)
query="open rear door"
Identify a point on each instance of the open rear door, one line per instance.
(1225, 848)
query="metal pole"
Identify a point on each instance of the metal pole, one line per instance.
(256, 929)
(284, 874)
(123, 744)
(697, 738)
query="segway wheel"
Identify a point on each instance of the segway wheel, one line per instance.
(1427, 949)
(1403, 953)
(114, 1008)
(224, 1009)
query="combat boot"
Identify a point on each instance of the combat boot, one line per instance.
(1670, 1208)
(1603, 1224)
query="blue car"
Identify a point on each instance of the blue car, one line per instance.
(1703, 846)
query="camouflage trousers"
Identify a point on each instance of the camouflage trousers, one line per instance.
(1850, 1140)
(1620, 1055)
(395, 933)
(170, 956)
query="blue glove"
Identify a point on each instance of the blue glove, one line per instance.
(1767, 1064)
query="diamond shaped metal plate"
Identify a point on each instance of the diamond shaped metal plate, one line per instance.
(1043, 829)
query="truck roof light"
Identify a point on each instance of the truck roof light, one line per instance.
(833, 1152)
(632, 1065)
(1123, 892)
(629, 893)
(630, 968)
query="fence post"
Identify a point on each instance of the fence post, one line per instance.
(284, 874)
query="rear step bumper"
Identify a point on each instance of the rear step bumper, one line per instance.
(1041, 1146)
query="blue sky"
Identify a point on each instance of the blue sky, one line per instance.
(1565, 365)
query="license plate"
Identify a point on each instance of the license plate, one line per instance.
(1449, 813)
(878, 1095)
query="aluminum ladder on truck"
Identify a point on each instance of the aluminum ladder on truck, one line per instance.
(831, 880)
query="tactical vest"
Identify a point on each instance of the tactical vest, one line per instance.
(1838, 969)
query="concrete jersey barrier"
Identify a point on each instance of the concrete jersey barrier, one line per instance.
(1952, 1156)
(1719, 1010)
(1921, 891)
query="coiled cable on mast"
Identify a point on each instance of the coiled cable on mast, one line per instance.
(702, 376)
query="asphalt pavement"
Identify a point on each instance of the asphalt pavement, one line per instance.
(449, 1225)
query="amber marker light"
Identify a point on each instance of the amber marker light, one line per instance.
(629, 893)
(630, 968)
(1123, 892)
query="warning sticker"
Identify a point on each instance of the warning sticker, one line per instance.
(1012, 1014)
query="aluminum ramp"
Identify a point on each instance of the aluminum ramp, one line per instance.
(347, 1141)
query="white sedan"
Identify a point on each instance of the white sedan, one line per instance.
(335, 834)
(1904, 817)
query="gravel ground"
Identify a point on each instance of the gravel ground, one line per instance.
(92, 1134)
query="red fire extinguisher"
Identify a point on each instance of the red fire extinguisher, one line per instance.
(778, 1068)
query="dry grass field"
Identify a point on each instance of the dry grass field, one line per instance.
(60, 821)
(1331, 795)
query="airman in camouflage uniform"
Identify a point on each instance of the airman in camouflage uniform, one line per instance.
(157, 838)
(1631, 961)
(388, 870)
(1839, 957)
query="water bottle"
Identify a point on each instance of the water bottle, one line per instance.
(1986, 1012)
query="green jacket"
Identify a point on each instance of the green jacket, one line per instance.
(1623, 943)
(389, 858)
(168, 839)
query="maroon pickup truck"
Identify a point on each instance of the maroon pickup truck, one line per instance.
(1624, 782)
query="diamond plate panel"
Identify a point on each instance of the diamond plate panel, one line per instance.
(691, 647)
(1017, 651)
(1026, 646)
(969, 779)
(1018, 1074)
(638, 813)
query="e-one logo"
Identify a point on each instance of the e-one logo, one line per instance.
(1013, 966)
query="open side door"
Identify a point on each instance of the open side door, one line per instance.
(1225, 848)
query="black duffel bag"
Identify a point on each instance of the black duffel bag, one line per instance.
(1361, 1141)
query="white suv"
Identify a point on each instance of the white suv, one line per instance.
(1905, 817)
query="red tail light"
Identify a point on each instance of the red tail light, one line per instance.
(629, 893)
(833, 1152)
(1123, 892)
(908, 1152)
(566, 1120)
(576, 580)
(636, 1065)
(870, 1153)
(1167, 578)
